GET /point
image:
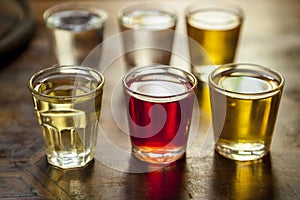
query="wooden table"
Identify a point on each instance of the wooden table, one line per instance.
(270, 36)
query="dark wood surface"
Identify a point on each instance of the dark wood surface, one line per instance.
(270, 36)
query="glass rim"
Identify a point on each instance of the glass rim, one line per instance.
(157, 6)
(226, 67)
(192, 79)
(76, 6)
(220, 5)
(59, 69)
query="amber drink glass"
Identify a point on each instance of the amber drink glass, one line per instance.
(244, 100)
(216, 26)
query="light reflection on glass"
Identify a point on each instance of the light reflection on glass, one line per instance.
(243, 180)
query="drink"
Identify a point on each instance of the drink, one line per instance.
(171, 137)
(74, 32)
(149, 19)
(68, 113)
(160, 107)
(217, 31)
(244, 112)
(203, 97)
(151, 37)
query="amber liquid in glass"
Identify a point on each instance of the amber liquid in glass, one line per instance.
(248, 121)
(217, 31)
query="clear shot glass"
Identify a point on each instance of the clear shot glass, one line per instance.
(148, 33)
(75, 29)
(67, 101)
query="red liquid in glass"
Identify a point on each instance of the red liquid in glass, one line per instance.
(162, 125)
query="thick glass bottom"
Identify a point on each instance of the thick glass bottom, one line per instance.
(242, 151)
(158, 156)
(69, 160)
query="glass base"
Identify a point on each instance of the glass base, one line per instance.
(69, 161)
(158, 156)
(242, 151)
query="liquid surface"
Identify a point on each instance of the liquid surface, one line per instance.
(148, 19)
(77, 20)
(171, 88)
(246, 82)
(158, 88)
(214, 20)
(247, 85)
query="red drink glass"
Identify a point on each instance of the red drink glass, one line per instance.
(159, 101)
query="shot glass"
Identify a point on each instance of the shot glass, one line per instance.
(159, 101)
(75, 29)
(216, 27)
(148, 33)
(244, 100)
(67, 101)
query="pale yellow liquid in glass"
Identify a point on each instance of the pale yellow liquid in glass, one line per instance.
(69, 126)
